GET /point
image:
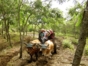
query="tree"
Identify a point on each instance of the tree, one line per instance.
(6, 12)
(19, 24)
(75, 14)
(82, 38)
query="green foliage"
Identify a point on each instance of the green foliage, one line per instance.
(31, 29)
(44, 19)
(74, 41)
(86, 50)
(67, 44)
(74, 9)
(80, 16)
(38, 4)
(35, 13)
(75, 20)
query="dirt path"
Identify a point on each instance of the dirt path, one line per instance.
(59, 59)
(7, 54)
(64, 57)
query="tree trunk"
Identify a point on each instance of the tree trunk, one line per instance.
(19, 5)
(6, 23)
(2, 28)
(9, 40)
(6, 29)
(82, 38)
(34, 31)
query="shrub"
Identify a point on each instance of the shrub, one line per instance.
(67, 44)
(74, 41)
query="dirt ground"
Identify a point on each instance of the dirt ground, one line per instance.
(58, 59)
(64, 57)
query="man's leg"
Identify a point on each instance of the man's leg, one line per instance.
(54, 46)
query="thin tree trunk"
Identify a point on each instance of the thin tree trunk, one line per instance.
(23, 29)
(2, 28)
(25, 25)
(19, 28)
(34, 31)
(6, 23)
(82, 38)
(5, 27)
(9, 40)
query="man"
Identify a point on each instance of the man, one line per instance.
(41, 36)
(52, 35)
(45, 35)
(52, 38)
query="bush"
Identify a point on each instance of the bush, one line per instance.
(86, 50)
(74, 41)
(67, 44)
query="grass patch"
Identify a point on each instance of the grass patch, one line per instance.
(14, 37)
(74, 41)
(67, 44)
(86, 50)
(3, 44)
